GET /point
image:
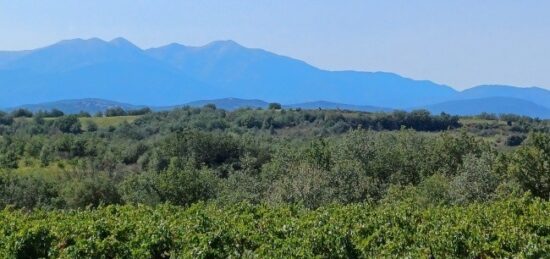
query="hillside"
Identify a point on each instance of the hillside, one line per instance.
(77, 69)
(536, 95)
(75, 106)
(229, 103)
(497, 105)
(340, 106)
(177, 74)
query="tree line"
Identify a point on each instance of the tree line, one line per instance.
(273, 156)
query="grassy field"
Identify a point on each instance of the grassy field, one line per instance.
(104, 122)
(471, 121)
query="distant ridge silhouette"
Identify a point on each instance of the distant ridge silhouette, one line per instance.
(176, 74)
(496, 105)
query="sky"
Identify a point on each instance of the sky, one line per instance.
(461, 43)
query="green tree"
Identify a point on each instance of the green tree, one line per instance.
(68, 124)
(530, 165)
(184, 184)
(5, 119)
(306, 184)
(21, 113)
(117, 111)
(91, 126)
(24, 191)
(274, 106)
(8, 160)
(476, 181)
(90, 189)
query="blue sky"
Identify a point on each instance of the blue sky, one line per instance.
(460, 43)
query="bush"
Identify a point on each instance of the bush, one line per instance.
(117, 111)
(8, 160)
(514, 140)
(21, 113)
(68, 124)
(90, 190)
(91, 126)
(5, 119)
(274, 106)
(27, 192)
(530, 165)
(509, 229)
(475, 181)
(141, 111)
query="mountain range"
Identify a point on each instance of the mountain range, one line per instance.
(175, 74)
(94, 105)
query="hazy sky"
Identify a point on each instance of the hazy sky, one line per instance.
(461, 43)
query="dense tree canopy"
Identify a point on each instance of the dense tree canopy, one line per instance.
(307, 182)
(308, 157)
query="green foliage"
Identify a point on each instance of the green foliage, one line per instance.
(8, 160)
(91, 126)
(21, 113)
(5, 119)
(181, 184)
(27, 192)
(204, 148)
(68, 124)
(475, 182)
(511, 228)
(514, 140)
(89, 190)
(184, 184)
(315, 183)
(117, 111)
(531, 165)
(140, 111)
(274, 106)
(54, 113)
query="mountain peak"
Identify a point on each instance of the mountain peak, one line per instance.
(175, 45)
(225, 44)
(80, 41)
(174, 74)
(122, 42)
(94, 42)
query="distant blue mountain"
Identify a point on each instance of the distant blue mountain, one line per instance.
(497, 105)
(339, 106)
(89, 105)
(94, 105)
(176, 74)
(255, 73)
(77, 69)
(229, 104)
(8, 56)
(534, 94)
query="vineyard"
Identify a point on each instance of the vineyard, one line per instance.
(275, 183)
(510, 228)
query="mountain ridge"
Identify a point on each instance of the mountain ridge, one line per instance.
(534, 94)
(496, 105)
(216, 70)
(173, 74)
(464, 107)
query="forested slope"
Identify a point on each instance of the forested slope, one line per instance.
(205, 182)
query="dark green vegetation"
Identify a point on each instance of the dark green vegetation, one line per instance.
(513, 228)
(273, 183)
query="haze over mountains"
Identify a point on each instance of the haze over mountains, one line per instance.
(176, 74)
